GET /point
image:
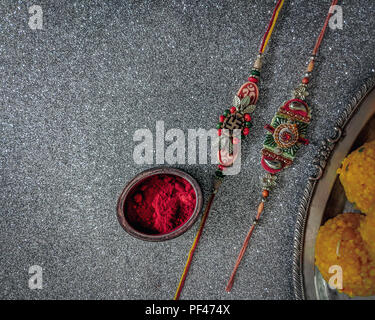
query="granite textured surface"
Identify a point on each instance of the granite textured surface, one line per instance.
(72, 96)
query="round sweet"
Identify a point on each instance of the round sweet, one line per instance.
(339, 243)
(367, 230)
(357, 175)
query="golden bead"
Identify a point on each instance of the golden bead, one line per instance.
(258, 64)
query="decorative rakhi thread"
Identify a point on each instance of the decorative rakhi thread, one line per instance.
(286, 134)
(234, 124)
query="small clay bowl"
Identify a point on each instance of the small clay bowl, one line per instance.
(136, 181)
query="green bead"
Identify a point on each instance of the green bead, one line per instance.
(219, 124)
(219, 173)
(226, 112)
(255, 72)
(248, 124)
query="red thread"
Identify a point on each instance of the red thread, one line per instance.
(192, 250)
(240, 256)
(269, 26)
(322, 32)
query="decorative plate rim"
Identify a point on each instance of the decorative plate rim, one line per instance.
(320, 161)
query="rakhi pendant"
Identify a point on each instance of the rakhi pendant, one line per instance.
(234, 124)
(285, 136)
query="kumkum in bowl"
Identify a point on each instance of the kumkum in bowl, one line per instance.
(159, 204)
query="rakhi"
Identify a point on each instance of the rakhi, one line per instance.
(286, 134)
(233, 125)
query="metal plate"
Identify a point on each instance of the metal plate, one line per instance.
(324, 197)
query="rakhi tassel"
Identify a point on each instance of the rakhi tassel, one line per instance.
(265, 194)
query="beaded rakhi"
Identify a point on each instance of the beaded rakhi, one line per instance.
(234, 124)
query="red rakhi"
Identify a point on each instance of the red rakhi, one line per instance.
(233, 125)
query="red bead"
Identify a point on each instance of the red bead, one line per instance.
(247, 117)
(305, 80)
(219, 132)
(246, 131)
(236, 140)
(221, 118)
(233, 109)
(286, 136)
(221, 167)
(252, 79)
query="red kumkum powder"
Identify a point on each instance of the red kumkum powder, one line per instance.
(160, 204)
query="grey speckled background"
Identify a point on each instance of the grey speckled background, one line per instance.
(72, 96)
